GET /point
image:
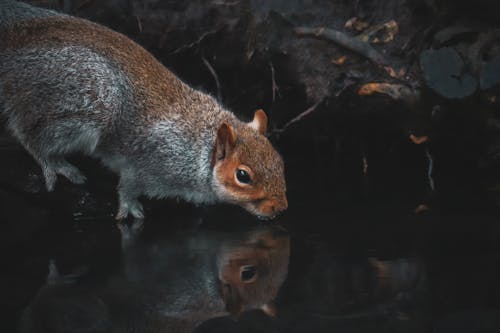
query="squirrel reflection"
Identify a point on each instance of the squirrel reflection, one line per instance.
(168, 286)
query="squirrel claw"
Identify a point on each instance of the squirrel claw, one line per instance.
(74, 175)
(130, 234)
(134, 208)
(50, 179)
(61, 167)
(137, 212)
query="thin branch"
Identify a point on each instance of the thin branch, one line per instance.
(196, 42)
(273, 80)
(344, 40)
(430, 169)
(82, 5)
(365, 164)
(298, 118)
(225, 3)
(356, 7)
(216, 78)
(139, 23)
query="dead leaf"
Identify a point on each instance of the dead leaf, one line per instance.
(397, 74)
(385, 33)
(339, 61)
(356, 24)
(382, 269)
(421, 208)
(394, 90)
(419, 139)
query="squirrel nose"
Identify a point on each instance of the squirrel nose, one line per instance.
(284, 204)
(279, 205)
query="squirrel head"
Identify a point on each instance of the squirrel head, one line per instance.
(248, 171)
(252, 272)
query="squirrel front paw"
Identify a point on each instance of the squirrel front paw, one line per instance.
(50, 177)
(71, 173)
(51, 168)
(129, 234)
(134, 207)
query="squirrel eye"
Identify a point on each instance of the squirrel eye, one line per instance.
(242, 176)
(248, 273)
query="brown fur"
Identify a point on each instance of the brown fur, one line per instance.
(268, 251)
(158, 97)
(260, 196)
(142, 67)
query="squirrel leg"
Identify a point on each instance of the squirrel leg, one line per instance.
(52, 165)
(130, 234)
(50, 176)
(68, 170)
(128, 199)
(48, 170)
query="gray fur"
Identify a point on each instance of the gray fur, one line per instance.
(167, 158)
(12, 11)
(69, 106)
(62, 100)
(79, 101)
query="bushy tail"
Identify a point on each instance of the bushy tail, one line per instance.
(12, 12)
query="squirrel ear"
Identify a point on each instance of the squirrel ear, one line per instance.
(232, 299)
(225, 142)
(259, 121)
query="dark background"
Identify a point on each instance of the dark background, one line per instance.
(354, 177)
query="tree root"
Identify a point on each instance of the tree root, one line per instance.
(346, 41)
(297, 118)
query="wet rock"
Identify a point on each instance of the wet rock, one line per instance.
(445, 73)
(451, 34)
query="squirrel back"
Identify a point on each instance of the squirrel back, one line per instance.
(12, 12)
(69, 85)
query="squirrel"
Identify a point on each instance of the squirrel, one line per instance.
(68, 85)
(172, 285)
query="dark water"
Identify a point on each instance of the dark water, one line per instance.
(360, 260)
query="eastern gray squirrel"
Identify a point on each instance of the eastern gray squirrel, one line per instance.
(69, 85)
(167, 286)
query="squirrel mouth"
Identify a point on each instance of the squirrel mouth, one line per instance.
(262, 216)
(266, 218)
